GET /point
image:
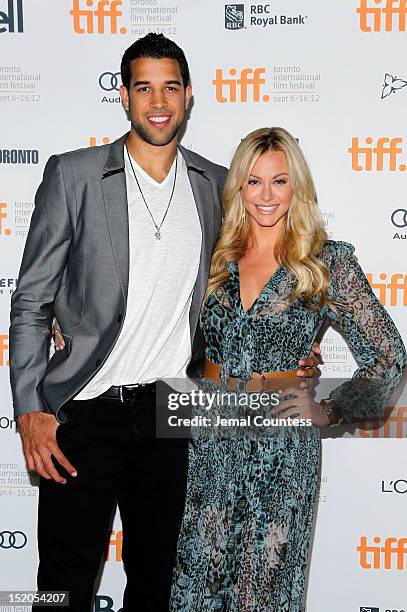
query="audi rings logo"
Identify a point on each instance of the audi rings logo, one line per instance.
(12, 539)
(399, 217)
(110, 81)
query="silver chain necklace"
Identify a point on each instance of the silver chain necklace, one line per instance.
(157, 227)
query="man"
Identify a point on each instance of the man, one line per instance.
(118, 251)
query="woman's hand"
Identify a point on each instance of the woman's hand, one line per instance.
(308, 367)
(301, 405)
(58, 337)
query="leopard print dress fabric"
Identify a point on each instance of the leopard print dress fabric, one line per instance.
(245, 534)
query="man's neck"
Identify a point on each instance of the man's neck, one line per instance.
(155, 160)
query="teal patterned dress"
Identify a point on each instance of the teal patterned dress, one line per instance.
(245, 534)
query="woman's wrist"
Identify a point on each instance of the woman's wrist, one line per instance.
(327, 405)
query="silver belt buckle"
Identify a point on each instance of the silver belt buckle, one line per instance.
(121, 393)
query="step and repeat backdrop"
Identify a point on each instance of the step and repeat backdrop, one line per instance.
(334, 74)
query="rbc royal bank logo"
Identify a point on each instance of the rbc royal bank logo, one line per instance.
(234, 16)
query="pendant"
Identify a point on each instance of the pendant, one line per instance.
(158, 235)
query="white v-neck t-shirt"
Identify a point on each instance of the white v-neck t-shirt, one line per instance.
(155, 338)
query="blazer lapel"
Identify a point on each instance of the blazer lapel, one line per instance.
(114, 190)
(203, 194)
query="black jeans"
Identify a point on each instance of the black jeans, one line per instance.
(119, 461)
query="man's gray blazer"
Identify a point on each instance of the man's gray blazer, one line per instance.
(75, 267)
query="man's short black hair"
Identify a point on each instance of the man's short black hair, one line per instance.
(156, 46)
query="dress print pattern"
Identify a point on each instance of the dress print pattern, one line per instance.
(249, 509)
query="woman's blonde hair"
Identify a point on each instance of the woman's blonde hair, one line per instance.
(303, 234)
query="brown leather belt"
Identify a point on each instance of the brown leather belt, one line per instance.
(260, 381)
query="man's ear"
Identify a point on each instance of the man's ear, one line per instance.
(188, 95)
(124, 94)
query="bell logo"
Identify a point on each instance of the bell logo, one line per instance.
(236, 87)
(115, 540)
(380, 155)
(104, 603)
(93, 19)
(13, 18)
(389, 556)
(4, 231)
(376, 15)
(391, 292)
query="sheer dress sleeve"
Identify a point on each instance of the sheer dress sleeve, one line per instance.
(371, 335)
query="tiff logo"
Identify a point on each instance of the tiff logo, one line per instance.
(93, 141)
(389, 556)
(390, 14)
(115, 540)
(4, 350)
(93, 20)
(372, 156)
(393, 293)
(6, 231)
(393, 424)
(14, 17)
(237, 86)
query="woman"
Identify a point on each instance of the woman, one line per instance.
(274, 278)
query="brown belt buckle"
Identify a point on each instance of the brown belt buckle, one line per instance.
(263, 381)
(254, 385)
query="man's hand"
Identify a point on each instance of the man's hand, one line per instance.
(38, 433)
(309, 367)
(58, 337)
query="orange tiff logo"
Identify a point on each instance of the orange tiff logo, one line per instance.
(242, 86)
(4, 350)
(115, 541)
(376, 15)
(4, 231)
(390, 293)
(393, 424)
(99, 17)
(93, 141)
(380, 155)
(389, 556)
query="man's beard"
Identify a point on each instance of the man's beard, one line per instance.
(159, 140)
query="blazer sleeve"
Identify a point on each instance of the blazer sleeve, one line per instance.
(44, 259)
(372, 337)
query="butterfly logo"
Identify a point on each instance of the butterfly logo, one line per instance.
(391, 85)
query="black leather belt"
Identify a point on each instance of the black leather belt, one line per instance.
(125, 393)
